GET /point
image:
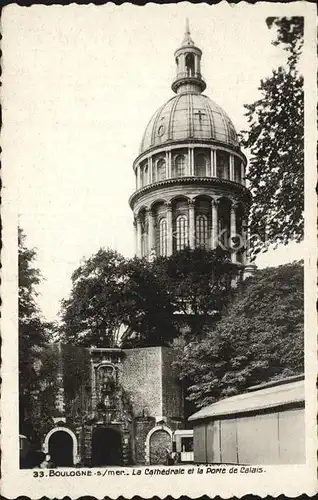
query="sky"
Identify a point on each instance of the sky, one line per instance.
(80, 85)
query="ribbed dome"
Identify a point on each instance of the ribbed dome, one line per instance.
(189, 116)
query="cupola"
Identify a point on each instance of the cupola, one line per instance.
(188, 65)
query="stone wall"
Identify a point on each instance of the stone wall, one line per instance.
(172, 397)
(142, 427)
(140, 375)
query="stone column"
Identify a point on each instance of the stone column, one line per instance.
(214, 224)
(213, 163)
(191, 224)
(233, 231)
(169, 228)
(151, 231)
(196, 65)
(169, 164)
(135, 235)
(138, 237)
(231, 168)
(150, 169)
(189, 162)
(192, 161)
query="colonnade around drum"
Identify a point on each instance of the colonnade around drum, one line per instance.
(189, 161)
(172, 225)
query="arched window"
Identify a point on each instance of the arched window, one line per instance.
(161, 170)
(200, 165)
(182, 232)
(180, 166)
(223, 165)
(189, 63)
(201, 230)
(163, 237)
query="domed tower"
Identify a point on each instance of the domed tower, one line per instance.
(190, 171)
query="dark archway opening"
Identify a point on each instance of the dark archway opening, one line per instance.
(106, 447)
(61, 449)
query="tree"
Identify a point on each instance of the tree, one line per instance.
(198, 282)
(276, 142)
(93, 313)
(259, 338)
(146, 297)
(149, 308)
(33, 330)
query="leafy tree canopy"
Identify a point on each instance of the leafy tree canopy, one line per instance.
(276, 142)
(260, 337)
(33, 330)
(110, 291)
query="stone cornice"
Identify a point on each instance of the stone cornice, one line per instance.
(214, 181)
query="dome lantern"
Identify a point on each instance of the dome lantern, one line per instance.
(188, 65)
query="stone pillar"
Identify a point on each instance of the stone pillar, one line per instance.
(169, 228)
(233, 231)
(151, 231)
(214, 224)
(169, 163)
(135, 235)
(196, 65)
(191, 224)
(189, 162)
(231, 168)
(192, 161)
(138, 237)
(213, 163)
(150, 169)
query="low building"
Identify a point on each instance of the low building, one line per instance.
(266, 425)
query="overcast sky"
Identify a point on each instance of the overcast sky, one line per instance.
(80, 85)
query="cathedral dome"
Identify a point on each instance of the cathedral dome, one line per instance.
(189, 115)
(190, 171)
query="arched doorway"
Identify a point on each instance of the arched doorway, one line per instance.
(160, 444)
(106, 447)
(60, 447)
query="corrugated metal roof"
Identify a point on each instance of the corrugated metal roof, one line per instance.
(271, 397)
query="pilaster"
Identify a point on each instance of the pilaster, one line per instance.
(169, 228)
(214, 224)
(233, 231)
(191, 224)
